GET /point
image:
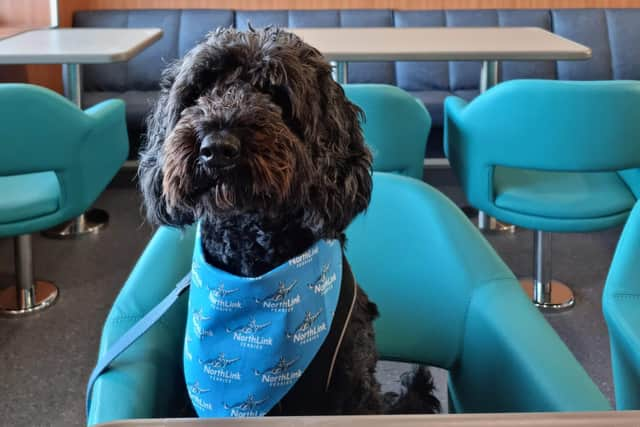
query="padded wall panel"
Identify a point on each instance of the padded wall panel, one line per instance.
(466, 74)
(624, 40)
(261, 18)
(144, 69)
(108, 77)
(589, 27)
(526, 69)
(369, 72)
(421, 75)
(196, 24)
(314, 18)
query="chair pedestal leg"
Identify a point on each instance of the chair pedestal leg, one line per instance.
(28, 295)
(545, 292)
(488, 223)
(89, 222)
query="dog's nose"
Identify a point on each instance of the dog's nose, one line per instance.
(220, 150)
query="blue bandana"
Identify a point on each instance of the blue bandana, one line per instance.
(249, 339)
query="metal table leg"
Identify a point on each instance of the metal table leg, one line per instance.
(93, 219)
(545, 292)
(340, 71)
(488, 79)
(28, 295)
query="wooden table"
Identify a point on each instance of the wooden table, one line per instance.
(555, 419)
(73, 47)
(487, 44)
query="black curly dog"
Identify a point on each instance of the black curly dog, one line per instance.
(252, 137)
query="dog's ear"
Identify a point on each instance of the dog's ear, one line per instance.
(328, 122)
(343, 161)
(150, 170)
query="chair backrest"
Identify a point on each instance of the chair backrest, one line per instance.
(396, 127)
(35, 121)
(447, 299)
(548, 125)
(621, 307)
(420, 259)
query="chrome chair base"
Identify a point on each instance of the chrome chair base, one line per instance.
(16, 301)
(89, 222)
(486, 223)
(560, 295)
(496, 226)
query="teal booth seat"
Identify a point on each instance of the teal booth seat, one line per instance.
(621, 306)
(444, 295)
(396, 128)
(55, 160)
(547, 155)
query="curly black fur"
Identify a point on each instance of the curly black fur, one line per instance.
(303, 174)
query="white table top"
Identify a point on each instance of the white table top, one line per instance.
(12, 31)
(441, 44)
(536, 419)
(76, 45)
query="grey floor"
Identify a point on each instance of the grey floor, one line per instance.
(45, 358)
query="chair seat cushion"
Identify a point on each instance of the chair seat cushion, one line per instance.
(565, 195)
(28, 196)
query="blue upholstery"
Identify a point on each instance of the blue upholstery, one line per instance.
(621, 306)
(54, 158)
(613, 35)
(567, 195)
(396, 127)
(550, 127)
(487, 334)
(42, 198)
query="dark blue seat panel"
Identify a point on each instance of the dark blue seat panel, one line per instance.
(362, 72)
(182, 30)
(613, 35)
(589, 27)
(624, 43)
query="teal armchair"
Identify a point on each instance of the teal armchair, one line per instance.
(621, 307)
(55, 160)
(445, 299)
(396, 128)
(546, 155)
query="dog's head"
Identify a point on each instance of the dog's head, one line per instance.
(253, 122)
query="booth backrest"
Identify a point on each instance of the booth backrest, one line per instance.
(612, 34)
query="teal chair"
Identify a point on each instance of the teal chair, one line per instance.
(545, 155)
(445, 299)
(55, 160)
(621, 306)
(396, 128)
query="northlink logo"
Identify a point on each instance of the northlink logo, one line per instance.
(307, 330)
(278, 301)
(216, 369)
(248, 408)
(217, 295)
(304, 258)
(198, 329)
(246, 335)
(324, 283)
(194, 392)
(279, 374)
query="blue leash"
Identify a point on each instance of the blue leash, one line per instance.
(135, 332)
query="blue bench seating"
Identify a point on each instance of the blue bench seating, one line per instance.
(612, 34)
